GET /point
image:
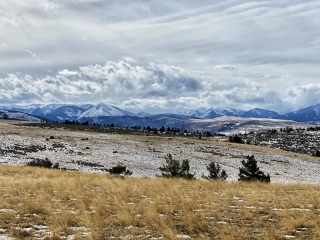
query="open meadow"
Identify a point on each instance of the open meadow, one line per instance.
(85, 202)
(40, 203)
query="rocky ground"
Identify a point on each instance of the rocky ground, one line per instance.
(305, 141)
(91, 151)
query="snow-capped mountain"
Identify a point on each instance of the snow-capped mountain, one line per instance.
(104, 110)
(217, 112)
(261, 113)
(143, 114)
(311, 113)
(213, 112)
(13, 115)
(60, 112)
(194, 112)
(95, 113)
(25, 109)
(44, 110)
(52, 112)
(156, 120)
(65, 113)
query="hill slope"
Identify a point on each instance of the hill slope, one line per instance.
(233, 125)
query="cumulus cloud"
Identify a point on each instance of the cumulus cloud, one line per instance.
(301, 96)
(155, 88)
(116, 81)
(67, 73)
(239, 53)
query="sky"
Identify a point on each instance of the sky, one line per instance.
(161, 55)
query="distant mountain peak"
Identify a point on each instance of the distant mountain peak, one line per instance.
(261, 113)
(85, 112)
(213, 112)
(104, 110)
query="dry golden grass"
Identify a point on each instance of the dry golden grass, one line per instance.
(54, 204)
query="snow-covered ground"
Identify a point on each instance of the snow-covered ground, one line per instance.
(240, 125)
(141, 154)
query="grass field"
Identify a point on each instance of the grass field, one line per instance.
(40, 203)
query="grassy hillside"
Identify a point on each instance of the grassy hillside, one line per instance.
(53, 204)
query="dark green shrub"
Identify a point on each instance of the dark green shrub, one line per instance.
(185, 170)
(215, 172)
(120, 169)
(45, 163)
(251, 172)
(235, 139)
(173, 169)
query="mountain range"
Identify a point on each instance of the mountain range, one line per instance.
(107, 114)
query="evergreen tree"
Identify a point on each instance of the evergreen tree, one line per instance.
(173, 169)
(235, 139)
(215, 172)
(185, 170)
(251, 172)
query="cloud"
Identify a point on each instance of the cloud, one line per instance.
(211, 53)
(115, 80)
(31, 53)
(67, 73)
(156, 88)
(302, 96)
(225, 67)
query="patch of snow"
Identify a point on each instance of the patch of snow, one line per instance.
(299, 209)
(4, 237)
(289, 236)
(78, 228)
(183, 236)
(221, 222)
(7, 210)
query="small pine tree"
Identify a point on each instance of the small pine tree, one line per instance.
(235, 139)
(251, 172)
(173, 168)
(215, 172)
(185, 170)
